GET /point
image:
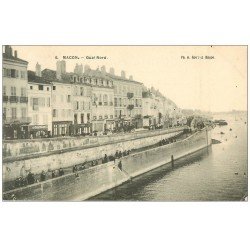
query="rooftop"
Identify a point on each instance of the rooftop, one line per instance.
(13, 58)
(33, 78)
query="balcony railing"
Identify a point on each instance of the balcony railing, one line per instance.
(23, 99)
(5, 98)
(105, 103)
(13, 99)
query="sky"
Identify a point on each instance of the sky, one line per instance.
(217, 83)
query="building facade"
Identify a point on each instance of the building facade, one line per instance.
(102, 99)
(15, 99)
(127, 99)
(82, 106)
(39, 106)
(62, 108)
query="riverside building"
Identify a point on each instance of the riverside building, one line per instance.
(102, 99)
(15, 100)
(82, 107)
(61, 95)
(127, 99)
(39, 104)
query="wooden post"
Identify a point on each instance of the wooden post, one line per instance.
(172, 161)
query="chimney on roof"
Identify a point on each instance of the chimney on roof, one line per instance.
(123, 74)
(103, 69)
(15, 52)
(8, 51)
(131, 78)
(38, 69)
(112, 71)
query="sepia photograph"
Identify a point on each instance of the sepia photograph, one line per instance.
(124, 123)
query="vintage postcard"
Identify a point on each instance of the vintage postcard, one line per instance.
(124, 123)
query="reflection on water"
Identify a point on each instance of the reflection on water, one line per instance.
(216, 174)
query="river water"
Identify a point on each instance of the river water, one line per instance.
(218, 173)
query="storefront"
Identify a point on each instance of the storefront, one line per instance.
(61, 128)
(15, 130)
(80, 129)
(38, 131)
(137, 122)
(98, 125)
(110, 125)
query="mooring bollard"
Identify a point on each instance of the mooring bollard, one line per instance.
(172, 161)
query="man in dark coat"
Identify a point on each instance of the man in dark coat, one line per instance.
(43, 176)
(61, 172)
(53, 175)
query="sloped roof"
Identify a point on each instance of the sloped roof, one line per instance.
(12, 58)
(32, 77)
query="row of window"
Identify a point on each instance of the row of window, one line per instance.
(119, 102)
(14, 113)
(102, 98)
(81, 116)
(82, 105)
(127, 113)
(82, 91)
(94, 81)
(64, 113)
(37, 102)
(13, 91)
(61, 98)
(100, 117)
(123, 90)
(39, 87)
(14, 73)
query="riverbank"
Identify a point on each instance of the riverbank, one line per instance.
(93, 181)
(22, 182)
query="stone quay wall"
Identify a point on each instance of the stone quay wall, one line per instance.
(20, 166)
(103, 177)
(32, 148)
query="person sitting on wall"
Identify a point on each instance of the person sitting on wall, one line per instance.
(74, 168)
(18, 182)
(43, 176)
(30, 178)
(23, 182)
(116, 154)
(105, 158)
(53, 175)
(61, 172)
(120, 154)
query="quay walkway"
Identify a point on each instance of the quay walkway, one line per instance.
(7, 186)
(33, 148)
